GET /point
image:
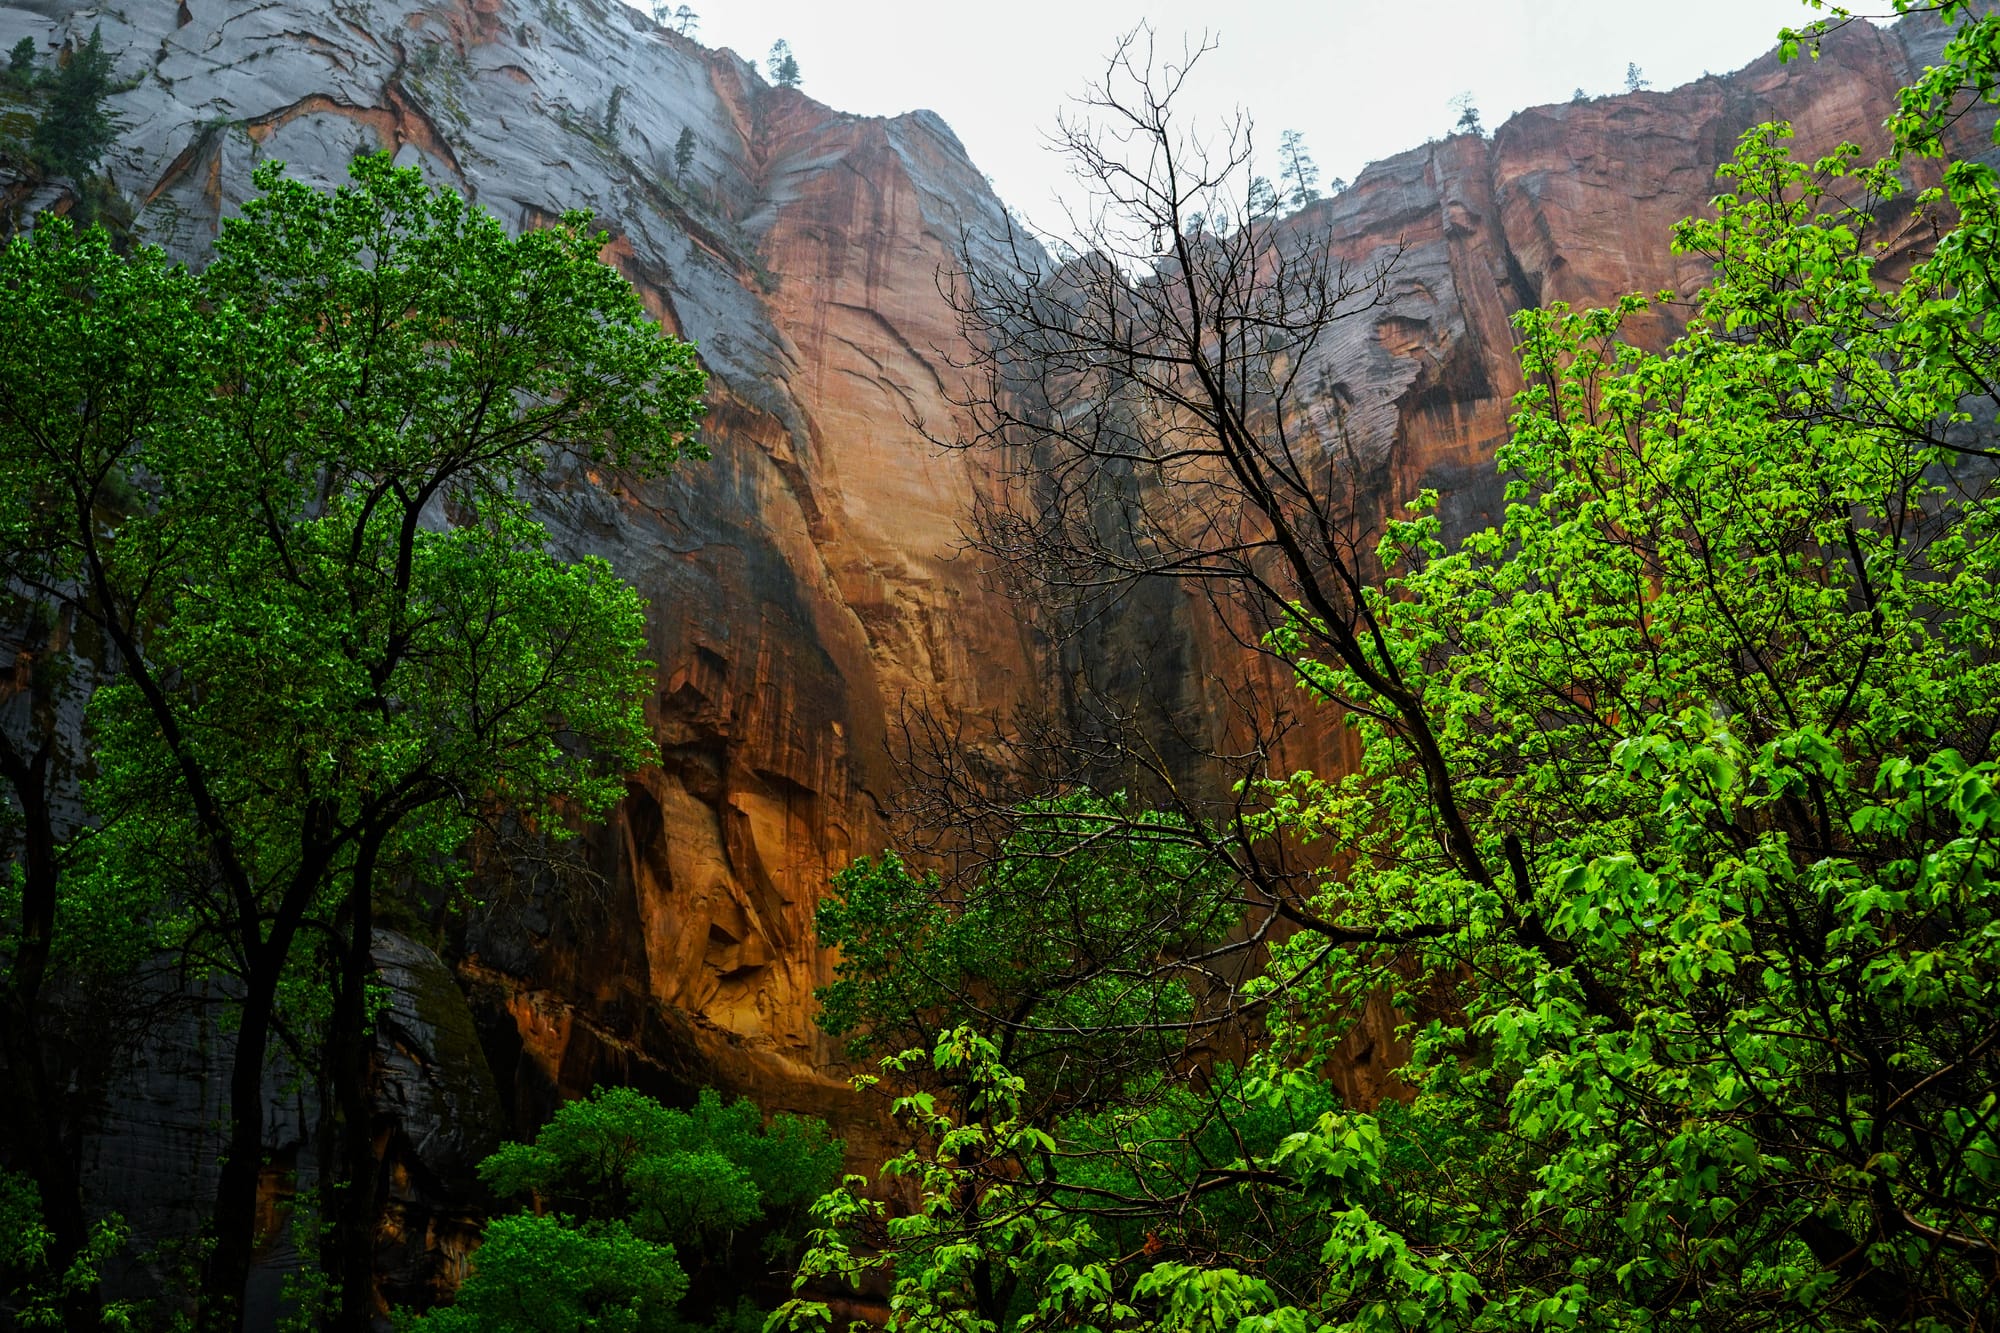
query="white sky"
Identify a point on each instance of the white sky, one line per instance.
(1360, 78)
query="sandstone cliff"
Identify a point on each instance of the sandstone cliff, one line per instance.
(803, 581)
(809, 581)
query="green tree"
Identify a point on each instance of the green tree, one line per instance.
(684, 147)
(341, 647)
(21, 63)
(1635, 78)
(74, 128)
(1015, 1226)
(549, 1275)
(1468, 115)
(1297, 170)
(83, 327)
(1729, 885)
(1083, 946)
(620, 1172)
(783, 67)
(38, 1287)
(693, 1177)
(1261, 199)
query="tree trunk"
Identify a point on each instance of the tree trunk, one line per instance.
(233, 1224)
(34, 1118)
(348, 1248)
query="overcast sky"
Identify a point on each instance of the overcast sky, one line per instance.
(1360, 78)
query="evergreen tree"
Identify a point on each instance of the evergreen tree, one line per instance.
(1635, 78)
(784, 69)
(1297, 169)
(684, 152)
(1468, 115)
(21, 63)
(686, 21)
(1263, 197)
(75, 129)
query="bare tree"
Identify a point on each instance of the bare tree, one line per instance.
(1161, 406)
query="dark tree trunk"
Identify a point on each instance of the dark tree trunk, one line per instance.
(348, 1250)
(233, 1225)
(34, 1118)
(234, 1221)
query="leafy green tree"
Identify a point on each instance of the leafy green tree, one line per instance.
(548, 1275)
(341, 648)
(83, 327)
(684, 147)
(1635, 78)
(74, 128)
(1014, 1226)
(681, 18)
(1262, 199)
(694, 1177)
(1084, 946)
(38, 1289)
(1729, 883)
(620, 1172)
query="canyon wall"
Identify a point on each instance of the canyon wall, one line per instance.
(809, 583)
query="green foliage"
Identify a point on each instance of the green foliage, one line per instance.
(289, 497)
(692, 1177)
(1468, 115)
(1702, 698)
(346, 673)
(551, 1275)
(1057, 946)
(1297, 169)
(21, 64)
(975, 1233)
(621, 1185)
(684, 147)
(1177, 1171)
(1675, 836)
(32, 1294)
(75, 129)
(782, 65)
(1091, 1227)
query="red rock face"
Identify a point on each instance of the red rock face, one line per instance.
(809, 582)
